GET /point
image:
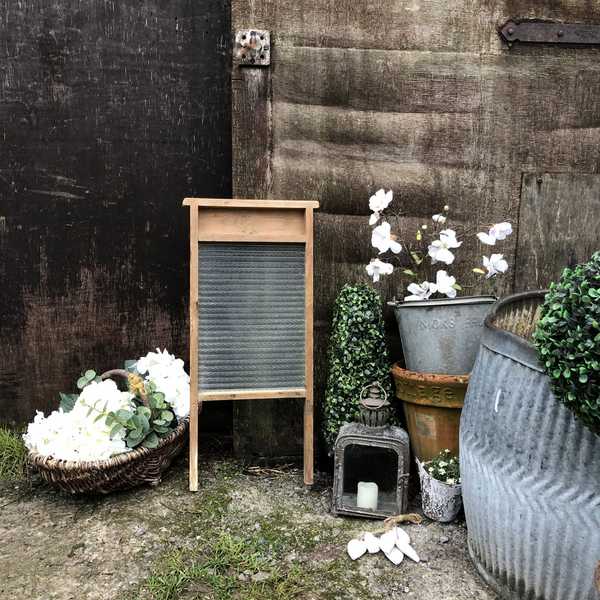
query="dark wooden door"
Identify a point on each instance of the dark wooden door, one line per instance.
(110, 113)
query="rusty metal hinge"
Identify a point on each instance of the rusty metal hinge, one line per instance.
(253, 47)
(544, 32)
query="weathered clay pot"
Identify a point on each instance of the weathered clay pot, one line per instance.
(432, 406)
(441, 502)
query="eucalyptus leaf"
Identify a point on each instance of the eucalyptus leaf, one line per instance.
(130, 365)
(151, 441)
(67, 401)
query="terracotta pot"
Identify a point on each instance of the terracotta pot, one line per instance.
(432, 406)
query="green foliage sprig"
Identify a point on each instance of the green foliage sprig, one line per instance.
(357, 356)
(143, 425)
(140, 425)
(567, 339)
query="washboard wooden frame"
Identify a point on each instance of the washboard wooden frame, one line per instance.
(251, 221)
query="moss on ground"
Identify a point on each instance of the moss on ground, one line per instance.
(239, 554)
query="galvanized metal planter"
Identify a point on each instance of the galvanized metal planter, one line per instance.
(441, 501)
(442, 335)
(530, 471)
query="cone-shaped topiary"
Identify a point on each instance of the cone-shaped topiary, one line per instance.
(568, 340)
(357, 356)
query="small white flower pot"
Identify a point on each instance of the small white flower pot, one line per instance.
(441, 502)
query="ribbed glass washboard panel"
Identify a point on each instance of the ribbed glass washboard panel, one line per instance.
(251, 316)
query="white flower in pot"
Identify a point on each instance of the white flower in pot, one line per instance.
(441, 490)
(440, 330)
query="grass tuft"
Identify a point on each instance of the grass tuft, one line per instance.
(13, 455)
(237, 555)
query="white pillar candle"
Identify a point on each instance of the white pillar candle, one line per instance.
(367, 495)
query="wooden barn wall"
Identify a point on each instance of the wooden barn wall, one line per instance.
(110, 113)
(423, 97)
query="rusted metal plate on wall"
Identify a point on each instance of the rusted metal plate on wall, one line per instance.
(110, 114)
(558, 226)
(539, 32)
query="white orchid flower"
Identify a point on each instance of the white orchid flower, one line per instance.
(439, 250)
(420, 291)
(378, 202)
(377, 267)
(441, 219)
(495, 264)
(499, 231)
(381, 238)
(445, 284)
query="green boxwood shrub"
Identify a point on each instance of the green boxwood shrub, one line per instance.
(567, 338)
(357, 356)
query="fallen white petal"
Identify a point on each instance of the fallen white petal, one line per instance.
(388, 540)
(372, 543)
(356, 548)
(395, 556)
(401, 535)
(408, 550)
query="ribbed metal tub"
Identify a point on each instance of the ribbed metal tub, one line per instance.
(530, 471)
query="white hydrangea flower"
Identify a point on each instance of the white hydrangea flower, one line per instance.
(377, 267)
(168, 375)
(439, 250)
(381, 238)
(378, 202)
(78, 435)
(420, 291)
(495, 265)
(445, 284)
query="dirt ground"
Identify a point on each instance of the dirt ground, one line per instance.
(242, 536)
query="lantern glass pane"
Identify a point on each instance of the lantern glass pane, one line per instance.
(371, 463)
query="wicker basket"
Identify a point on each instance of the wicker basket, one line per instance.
(123, 471)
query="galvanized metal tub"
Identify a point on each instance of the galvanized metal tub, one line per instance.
(530, 471)
(442, 335)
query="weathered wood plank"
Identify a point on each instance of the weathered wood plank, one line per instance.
(460, 25)
(558, 225)
(252, 134)
(378, 80)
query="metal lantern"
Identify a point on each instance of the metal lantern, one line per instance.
(371, 461)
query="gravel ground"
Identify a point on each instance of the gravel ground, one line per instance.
(159, 543)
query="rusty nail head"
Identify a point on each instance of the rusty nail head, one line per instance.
(511, 30)
(560, 33)
(540, 180)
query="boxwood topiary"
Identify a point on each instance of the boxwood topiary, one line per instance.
(357, 356)
(567, 338)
